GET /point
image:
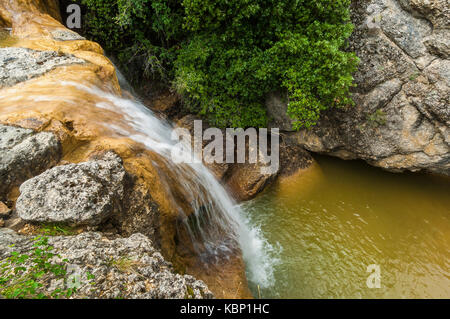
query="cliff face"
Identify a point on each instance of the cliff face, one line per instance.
(402, 114)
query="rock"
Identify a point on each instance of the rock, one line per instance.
(76, 194)
(218, 169)
(4, 211)
(140, 213)
(401, 118)
(244, 180)
(99, 267)
(24, 154)
(84, 128)
(438, 44)
(293, 157)
(21, 64)
(165, 102)
(436, 11)
(402, 28)
(66, 35)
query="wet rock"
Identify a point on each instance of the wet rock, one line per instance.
(21, 64)
(77, 194)
(245, 181)
(166, 103)
(80, 135)
(218, 169)
(99, 267)
(24, 154)
(293, 157)
(401, 118)
(140, 213)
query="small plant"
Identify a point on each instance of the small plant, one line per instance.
(414, 76)
(189, 293)
(22, 275)
(124, 264)
(378, 118)
(56, 230)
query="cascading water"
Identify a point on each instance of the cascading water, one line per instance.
(218, 226)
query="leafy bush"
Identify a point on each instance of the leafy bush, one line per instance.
(224, 56)
(143, 34)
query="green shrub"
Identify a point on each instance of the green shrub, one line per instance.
(224, 56)
(143, 34)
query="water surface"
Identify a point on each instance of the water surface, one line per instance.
(334, 220)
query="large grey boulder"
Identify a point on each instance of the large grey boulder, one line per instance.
(77, 194)
(24, 154)
(109, 268)
(21, 64)
(402, 114)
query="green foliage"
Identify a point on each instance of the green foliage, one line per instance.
(224, 56)
(189, 293)
(377, 118)
(21, 275)
(56, 230)
(124, 264)
(244, 49)
(143, 34)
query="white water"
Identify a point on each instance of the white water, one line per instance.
(227, 226)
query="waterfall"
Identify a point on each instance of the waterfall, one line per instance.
(220, 225)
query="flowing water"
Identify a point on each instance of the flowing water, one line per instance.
(217, 228)
(334, 220)
(226, 227)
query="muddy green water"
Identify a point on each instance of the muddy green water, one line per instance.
(334, 220)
